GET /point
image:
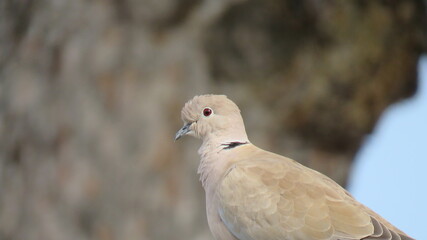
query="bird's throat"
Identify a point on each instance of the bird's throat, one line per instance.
(213, 161)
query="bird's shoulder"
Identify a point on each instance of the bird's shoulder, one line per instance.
(273, 170)
(274, 195)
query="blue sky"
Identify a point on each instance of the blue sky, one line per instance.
(389, 174)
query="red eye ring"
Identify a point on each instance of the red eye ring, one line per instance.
(207, 112)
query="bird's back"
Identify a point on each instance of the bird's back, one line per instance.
(267, 196)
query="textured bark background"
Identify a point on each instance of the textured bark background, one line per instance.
(91, 93)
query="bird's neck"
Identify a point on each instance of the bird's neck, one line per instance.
(215, 153)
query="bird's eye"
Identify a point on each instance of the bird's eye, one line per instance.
(207, 112)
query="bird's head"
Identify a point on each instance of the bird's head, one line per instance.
(212, 117)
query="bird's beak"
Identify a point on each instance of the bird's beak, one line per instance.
(183, 131)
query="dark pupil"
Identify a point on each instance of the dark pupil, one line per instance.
(207, 112)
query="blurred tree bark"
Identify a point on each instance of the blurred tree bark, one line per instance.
(90, 95)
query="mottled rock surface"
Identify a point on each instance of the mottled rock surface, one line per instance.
(91, 93)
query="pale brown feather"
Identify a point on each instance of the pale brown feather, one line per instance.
(267, 196)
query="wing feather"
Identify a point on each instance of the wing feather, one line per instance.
(276, 198)
(272, 198)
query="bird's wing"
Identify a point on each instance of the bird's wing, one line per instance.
(277, 198)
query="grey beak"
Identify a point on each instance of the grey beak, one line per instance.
(184, 130)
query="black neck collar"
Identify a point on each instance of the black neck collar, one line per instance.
(231, 145)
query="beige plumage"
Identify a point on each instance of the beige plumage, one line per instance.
(252, 194)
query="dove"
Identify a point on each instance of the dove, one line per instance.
(253, 194)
